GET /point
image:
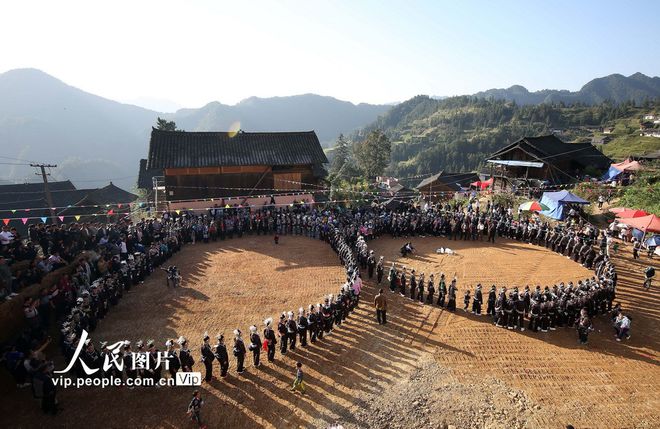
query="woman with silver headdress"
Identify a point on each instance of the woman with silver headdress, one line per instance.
(207, 357)
(239, 351)
(291, 330)
(220, 353)
(185, 356)
(255, 346)
(303, 324)
(271, 340)
(174, 364)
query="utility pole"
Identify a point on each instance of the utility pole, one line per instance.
(49, 197)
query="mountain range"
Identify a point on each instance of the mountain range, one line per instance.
(90, 137)
(93, 139)
(615, 87)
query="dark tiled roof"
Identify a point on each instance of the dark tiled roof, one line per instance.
(29, 191)
(180, 149)
(551, 149)
(453, 180)
(64, 197)
(145, 177)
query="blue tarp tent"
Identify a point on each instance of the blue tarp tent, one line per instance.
(611, 174)
(557, 200)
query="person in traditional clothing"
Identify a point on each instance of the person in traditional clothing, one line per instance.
(239, 351)
(255, 346)
(207, 358)
(271, 340)
(221, 355)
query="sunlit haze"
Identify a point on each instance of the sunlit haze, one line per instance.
(190, 53)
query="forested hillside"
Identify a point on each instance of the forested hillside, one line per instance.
(457, 133)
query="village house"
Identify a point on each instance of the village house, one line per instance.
(198, 165)
(28, 201)
(445, 182)
(546, 158)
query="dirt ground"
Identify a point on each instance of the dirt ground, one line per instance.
(425, 368)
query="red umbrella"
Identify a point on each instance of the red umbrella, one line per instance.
(631, 213)
(650, 223)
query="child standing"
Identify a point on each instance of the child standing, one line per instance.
(466, 300)
(298, 384)
(194, 409)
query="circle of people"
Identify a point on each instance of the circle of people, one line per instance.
(115, 257)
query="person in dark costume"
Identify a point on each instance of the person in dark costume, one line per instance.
(492, 297)
(584, 326)
(303, 325)
(379, 270)
(430, 290)
(291, 330)
(371, 263)
(221, 355)
(442, 290)
(239, 351)
(255, 346)
(451, 294)
(477, 300)
(185, 356)
(282, 332)
(271, 340)
(207, 358)
(312, 323)
(413, 285)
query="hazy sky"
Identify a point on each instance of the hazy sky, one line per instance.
(193, 52)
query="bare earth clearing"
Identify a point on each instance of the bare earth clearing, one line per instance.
(424, 367)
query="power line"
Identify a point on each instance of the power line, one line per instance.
(18, 159)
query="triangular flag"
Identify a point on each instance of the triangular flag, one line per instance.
(44, 219)
(24, 220)
(177, 211)
(13, 211)
(6, 221)
(94, 214)
(119, 205)
(27, 210)
(77, 217)
(61, 218)
(227, 206)
(107, 205)
(53, 208)
(111, 212)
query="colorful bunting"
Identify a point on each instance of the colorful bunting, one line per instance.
(77, 217)
(6, 221)
(24, 220)
(118, 205)
(44, 219)
(61, 218)
(13, 211)
(111, 212)
(177, 211)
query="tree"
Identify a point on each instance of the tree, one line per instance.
(165, 125)
(373, 154)
(341, 155)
